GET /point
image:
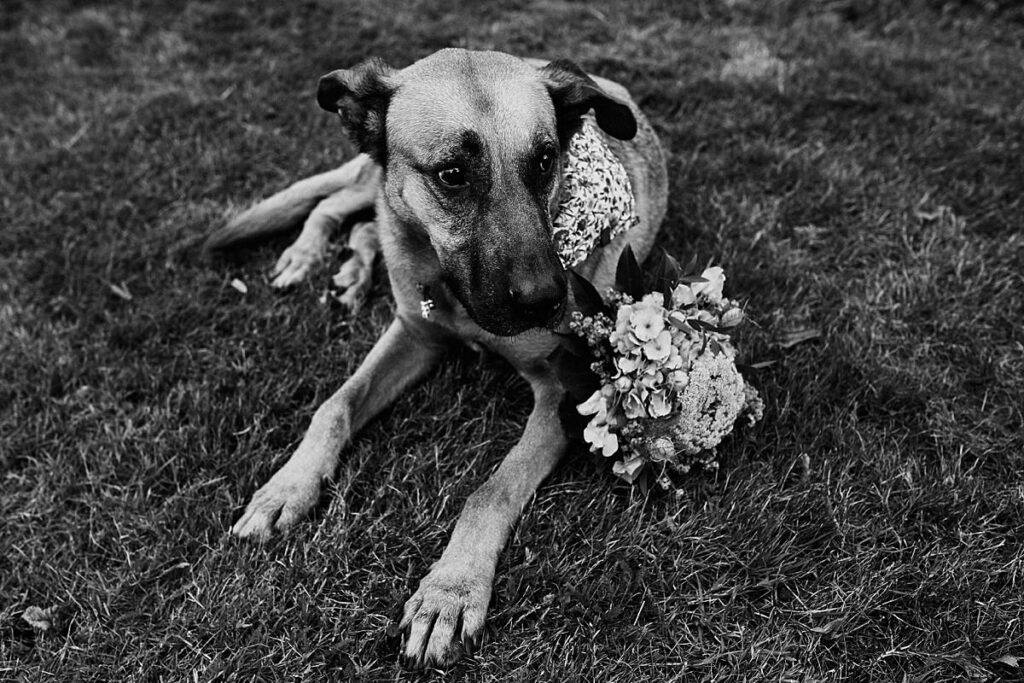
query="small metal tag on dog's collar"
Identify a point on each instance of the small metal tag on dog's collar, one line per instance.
(426, 303)
(426, 306)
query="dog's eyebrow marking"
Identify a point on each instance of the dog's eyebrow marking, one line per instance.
(470, 142)
(463, 146)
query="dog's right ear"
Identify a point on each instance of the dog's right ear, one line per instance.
(360, 96)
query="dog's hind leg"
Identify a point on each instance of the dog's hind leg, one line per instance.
(310, 247)
(287, 209)
(401, 357)
(451, 603)
(355, 277)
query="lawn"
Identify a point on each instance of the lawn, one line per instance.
(857, 167)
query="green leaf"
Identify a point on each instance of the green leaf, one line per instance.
(754, 367)
(677, 321)
(643, 482)
(629, 278)
(691, 279)
(662, 273)
(701, 325)
(588, 300)
(691, 267)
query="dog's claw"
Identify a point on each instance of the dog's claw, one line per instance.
(449, 597)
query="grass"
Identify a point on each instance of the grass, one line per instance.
(856, 166)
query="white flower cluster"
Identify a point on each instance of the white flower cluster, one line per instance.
(669, 383)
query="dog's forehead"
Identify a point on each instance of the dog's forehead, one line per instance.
(498, 96)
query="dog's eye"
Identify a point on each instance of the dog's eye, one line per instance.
(545, 162)
(453, 176)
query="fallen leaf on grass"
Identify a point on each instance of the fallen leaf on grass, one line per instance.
(38, 618)
(1010, 661)
(239, 285)
(827, 628)
(789, 338)
(121, 291)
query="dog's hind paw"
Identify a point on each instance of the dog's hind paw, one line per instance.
(352, 283)
(278, 504)
(295, 264)
(445, 617)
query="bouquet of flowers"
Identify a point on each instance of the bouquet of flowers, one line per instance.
(656, 364)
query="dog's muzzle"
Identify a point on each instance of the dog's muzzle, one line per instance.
(541, 304)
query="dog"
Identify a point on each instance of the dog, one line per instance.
(461, 155)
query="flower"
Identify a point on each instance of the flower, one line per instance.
(656, 299)
(675, 358)
(712, 289)
(651, 379)
(710, 403)
(628, 364)
(646, 321)
(622, 321)
(601, 439)
(628, 469)
(732, 317)
(633, 405)
(683, 296)
(658, 404)
(659, 448)
(594, 404)
(597, 432)
(659, 347)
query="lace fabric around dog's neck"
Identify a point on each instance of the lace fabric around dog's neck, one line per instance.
(597, 202)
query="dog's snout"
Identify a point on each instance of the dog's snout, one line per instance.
(540, 299)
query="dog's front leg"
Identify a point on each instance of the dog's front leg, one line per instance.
(450, 605)
(402, 356)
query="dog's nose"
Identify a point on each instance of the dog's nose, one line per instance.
(539, 300)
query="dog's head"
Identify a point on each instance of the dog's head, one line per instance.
(471, 144)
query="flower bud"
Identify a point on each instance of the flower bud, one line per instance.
(712, 289)
(683, 296)
(732, 317)
(661, 449)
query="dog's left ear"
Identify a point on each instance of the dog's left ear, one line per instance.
(360, 96)
(575, 93)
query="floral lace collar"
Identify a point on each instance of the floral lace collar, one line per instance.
(597, 201)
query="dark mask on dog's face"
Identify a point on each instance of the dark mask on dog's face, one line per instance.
(472, 146)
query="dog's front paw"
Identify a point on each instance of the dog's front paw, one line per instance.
(296, 262)
(281, 502)
(446, 614)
